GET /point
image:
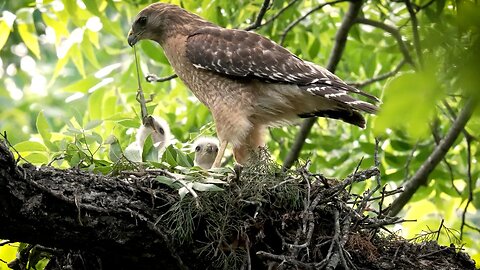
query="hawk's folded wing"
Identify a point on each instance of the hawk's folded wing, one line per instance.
(245, 54)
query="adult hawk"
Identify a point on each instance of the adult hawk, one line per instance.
(246, 80)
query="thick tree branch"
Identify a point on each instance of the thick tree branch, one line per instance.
(394, 32)
(421, 176)
(335, 56)
(77, 210)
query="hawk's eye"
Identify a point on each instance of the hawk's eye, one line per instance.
(197, 149)
(161, 131)
(142, 21)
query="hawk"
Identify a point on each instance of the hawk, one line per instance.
(246, 80)
(206, 149)
(159, 131)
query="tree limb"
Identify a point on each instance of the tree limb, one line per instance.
(416, 36)
(394, 32)
(154, 78)
(335, 56)
(297, 21)
(379, 77)
(421, 176)
(77, 210)
(271, 19)
(258, 21)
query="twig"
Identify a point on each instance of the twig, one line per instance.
(180, 180)
(384, 194)
(437, 138)
(379, 77)
(469, 184)
(409, 160)
(472, 227)
(421, 176)
(297, 21)
(154, 78)
(394, 32)
(271, 19)
(434, 252)
(440, 229)
(284, 259)
(258, 21)
(416, 37)
(335, 56)
(5, 138)
(6, 242)
(140, 97)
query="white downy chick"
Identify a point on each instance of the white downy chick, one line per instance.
(161, 136)
(206, 149)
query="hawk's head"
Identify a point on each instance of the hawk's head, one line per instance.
(158, 20)
(147, 24)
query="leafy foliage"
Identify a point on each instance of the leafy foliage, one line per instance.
(68, 87)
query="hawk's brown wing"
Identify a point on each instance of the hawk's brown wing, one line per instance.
(246, 54)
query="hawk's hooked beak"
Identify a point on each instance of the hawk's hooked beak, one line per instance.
(132, 38)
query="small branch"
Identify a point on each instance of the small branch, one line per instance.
(284, 259)
(140, 97)
(472, 227)
(271, 19)
(379, 77)
(297, 21)
(421, 176)
(6, 242)
(440, 229)
(154, 78)
(469, 184)
(335, 55)
(394, 32)
(416, 37)
(258, 21)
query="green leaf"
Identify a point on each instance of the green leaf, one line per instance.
(409, 104)
(29, 146)
(400, 145)
(95, 104)
(37, 158)
(206, 187)
(59, 67)
(77, 59)
(6, 23)
(82, 85)
(154, 52)
(92, 7)
(42, 127)
(166, 180)
(27, 31)
(89, 53)
(93, 124)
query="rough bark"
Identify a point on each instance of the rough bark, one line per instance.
(91, 221)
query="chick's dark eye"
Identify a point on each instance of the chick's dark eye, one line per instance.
(197, 149)
(142, 21)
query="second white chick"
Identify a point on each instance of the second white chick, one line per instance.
(206, 149)
(161, 137)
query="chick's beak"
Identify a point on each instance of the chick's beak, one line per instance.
(209, 148)
(132, 38)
